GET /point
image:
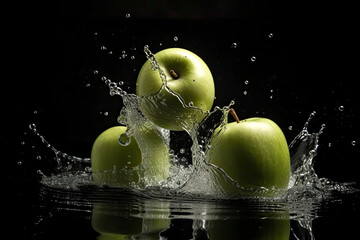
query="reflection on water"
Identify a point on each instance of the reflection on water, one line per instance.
(116, 213)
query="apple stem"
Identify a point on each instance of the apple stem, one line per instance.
(233, 113)
(174, 74)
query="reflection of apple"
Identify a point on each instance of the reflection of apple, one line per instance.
(129, 222)
(186, 75)
(114, 164)
(254, 153)
(252, 226)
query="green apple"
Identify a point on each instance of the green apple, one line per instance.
(253, 153)
(115, 164)
(187, 95)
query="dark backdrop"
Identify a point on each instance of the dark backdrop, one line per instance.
(51, 51)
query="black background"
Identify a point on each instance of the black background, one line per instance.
(52, 49)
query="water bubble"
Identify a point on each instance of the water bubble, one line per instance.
(124, 140)
(103, 48)
(290, 128)
(245, 93)
(19, 163)
(96, 72)
(22, 143)
(234, 45)
(88, 85)
(271, 35)
(38, 157)
(95, 33)
(246, 82)
(191, 104)
(128, 15)
(132, 57)
(176, 38)
(341, 108)
(182, 150)
(110, 52)
(40, 172)
(103, 78)
(106, 113)
(271, 97)
(329, 144)
(253, 58)
(353, 143)
(160, 44)
(121, 83)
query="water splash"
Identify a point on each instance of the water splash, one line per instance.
(200, 178)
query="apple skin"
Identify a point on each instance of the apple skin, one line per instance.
(255, 154)
(114, 164)
(194, 84)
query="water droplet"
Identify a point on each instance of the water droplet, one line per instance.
(103, 48)
(341, 108)
(176, 38)
(271, 35)
(234, 45)
(128, 15)
(253, 58)
(124, 140)
(353, 143)
(246, 82)
(96, 72)
(245, 92)
(32, 127)
(290, 128)
(182, 150)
